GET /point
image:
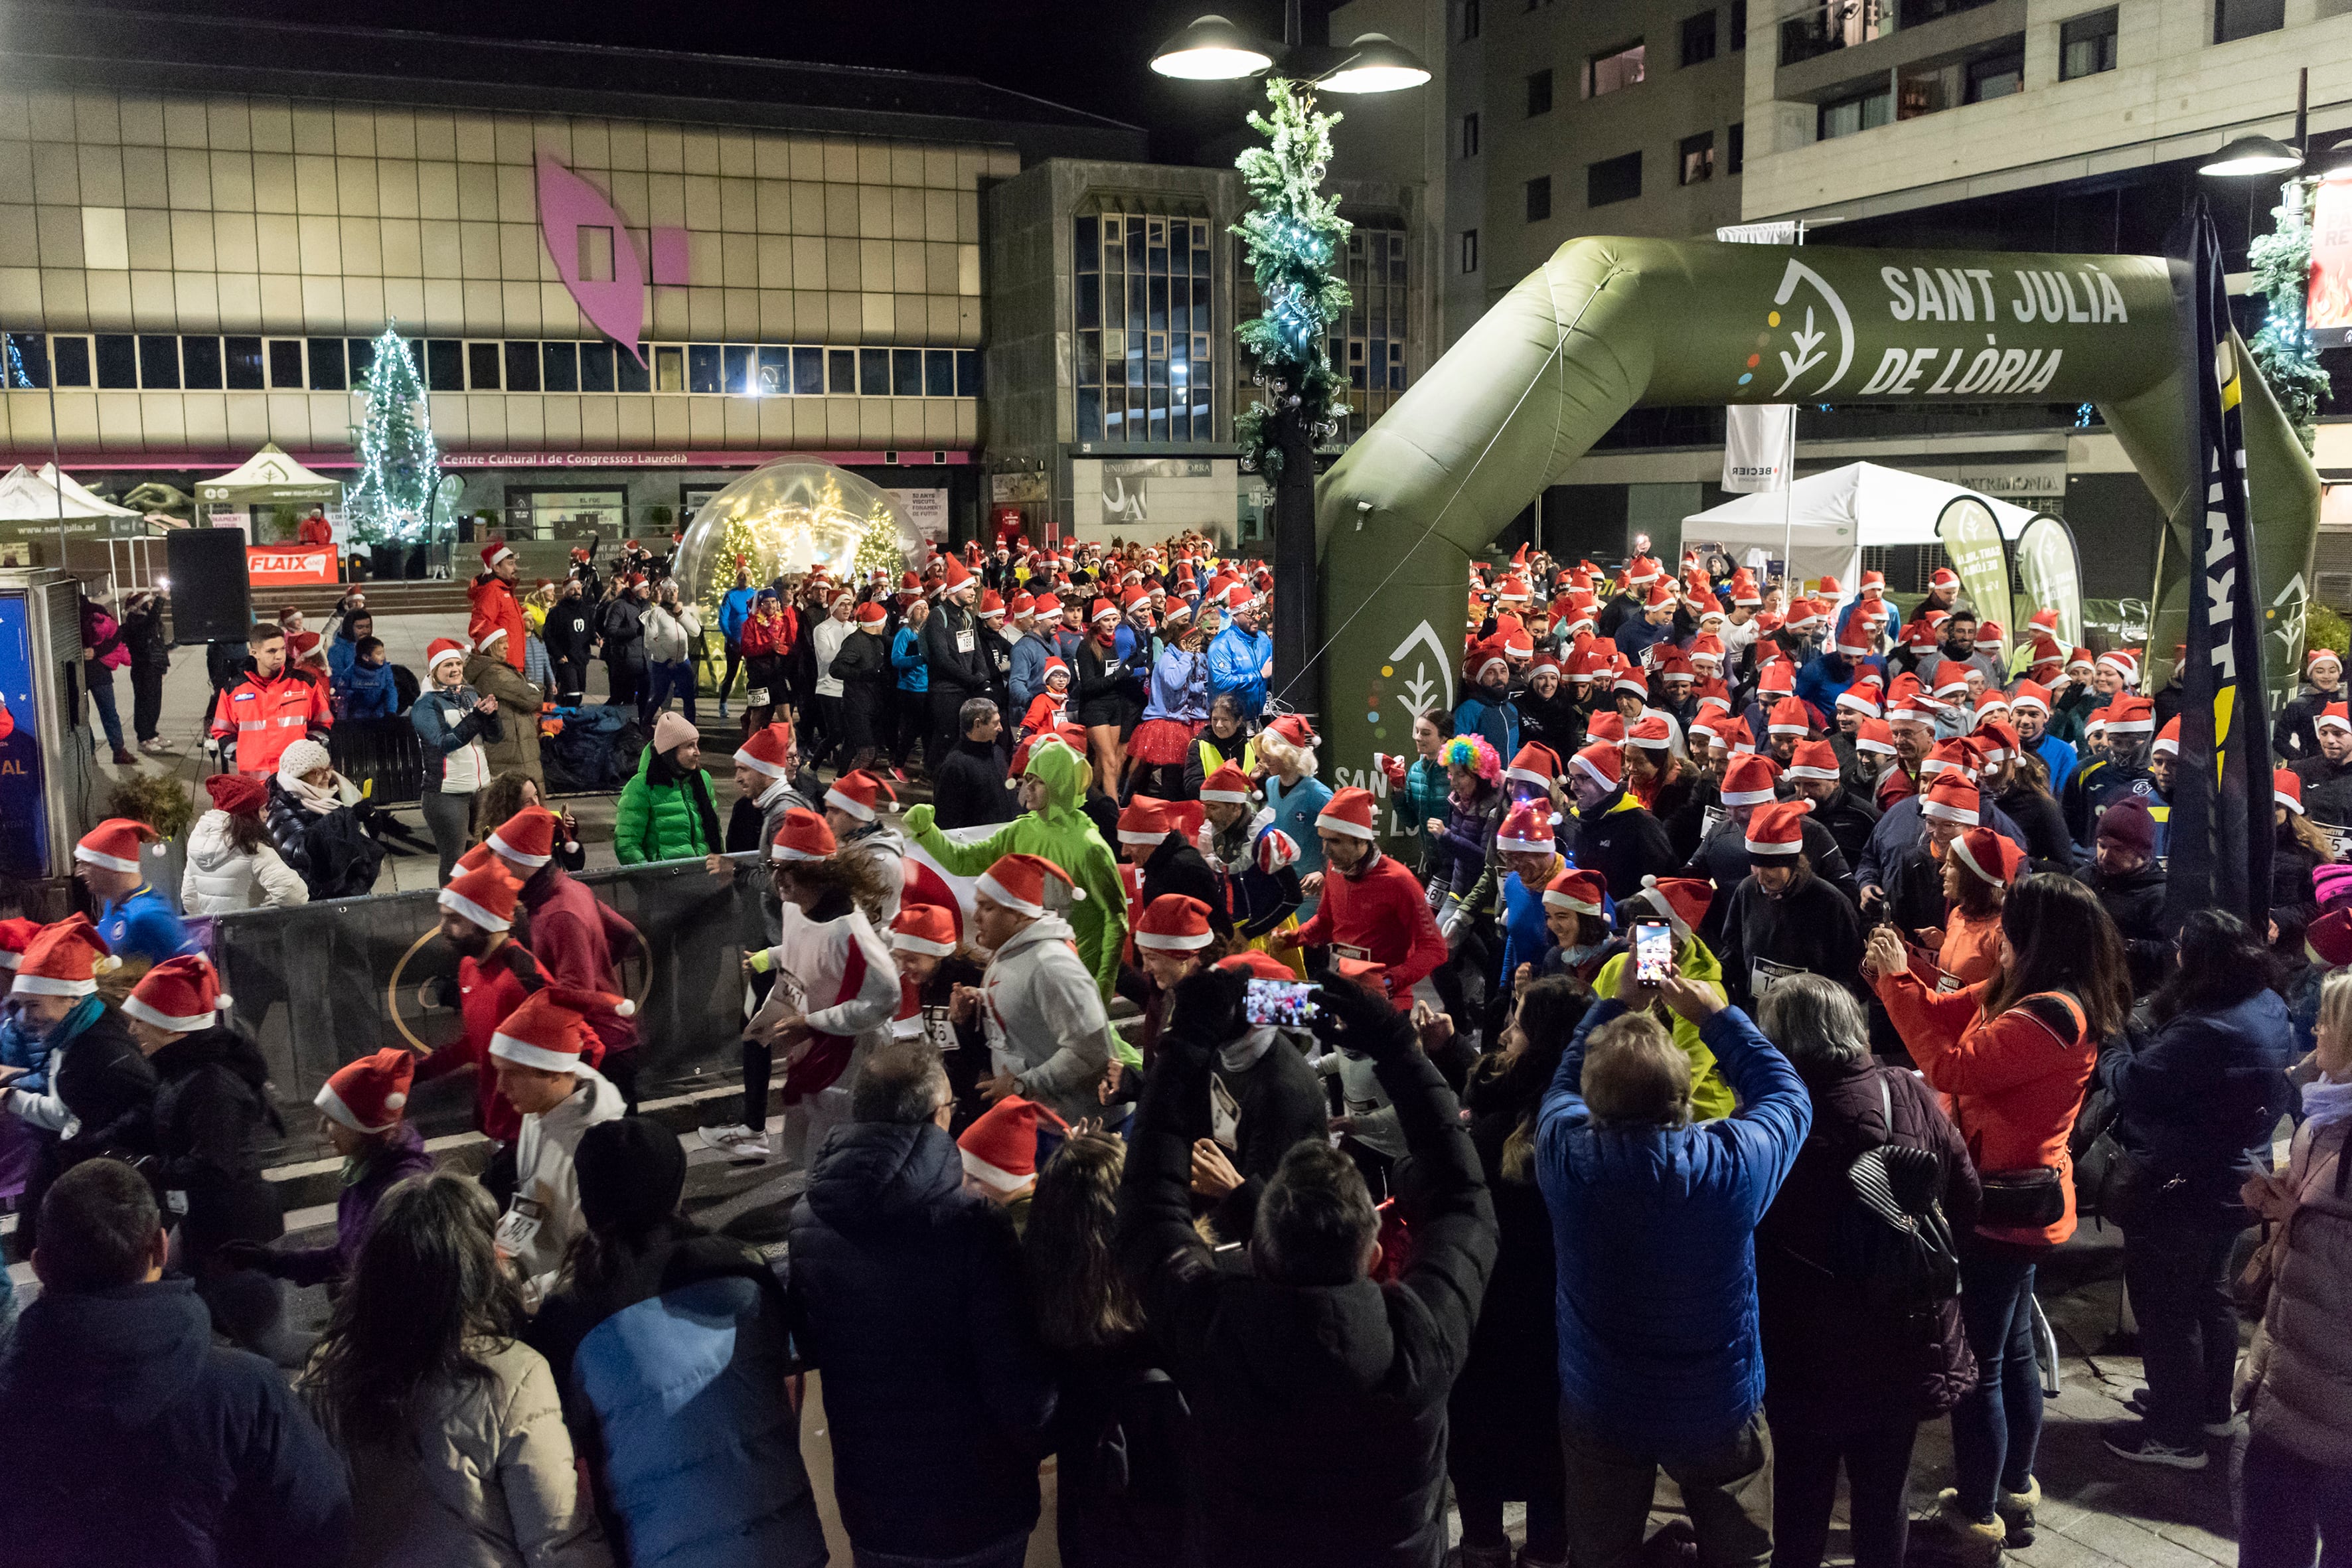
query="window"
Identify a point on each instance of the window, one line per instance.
(702, 367)
(1539, 93)
(559, 367)
(243, 356)
(2086, 46)
(874, 372)
(1997, 75)
(1613, 180)
(596, 367)
(1539, 198)
(1469, 250)
(772, 376)
(736, 372)
(1469, 20)
(326, 355)
(158, 364)
(360, 353)
(808, 372)
(843, 371)
(482, 366)
(632, 373)
(669, 370)
(2244, 18)
(939, 373)
(26, 363)
(200, 361)
(118, 361)
(1605, 73)
(1697, 158)
(1370, 340)
(286, 363)
(1928, 90)
(1735, 149)
(1469, 136)
(445, 365)
(968, 368)
(1739, 28)
(72, 361)
(907, 373)
(1144, 361)
(1862, 111)
(1698, 38)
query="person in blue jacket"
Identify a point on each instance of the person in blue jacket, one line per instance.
(135, 920)
(1487, 709)
(1238, 660)
(1837, 667)
(343, 647)
(1655, 1220)
(733, 611)
(1030, 651)
(914, 674)
(365, 689)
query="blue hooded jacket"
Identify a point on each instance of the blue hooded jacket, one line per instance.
(1655, 1236)
(733, 611)
(366, 692)
(907, 658)
(1237, 661)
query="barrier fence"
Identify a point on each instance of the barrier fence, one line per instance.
(324, 984)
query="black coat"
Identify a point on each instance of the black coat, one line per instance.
(906, 1293)
(2193, 1097)
(1120, 1459)
(1723, 860)
(1850, 817)
(211, 1126)
(109, 1088)
(2047, 845)
(2326, 790)
(1175, 866)
(1100, 684)
(1623, 846)
(142, 634)
(1318, 1411)
(138, 1442)
(333, 853)
(2135, 901)
(862, 665)
(1811, 926)
(1832, 1363)
(952, 669)
(571, 630)
(968, 787)
(622, 624)
(1279, 1100)
(2296, 734)
(1558, 720)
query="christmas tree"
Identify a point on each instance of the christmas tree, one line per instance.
(399, 464)
(2281, 263)
(1295, 237)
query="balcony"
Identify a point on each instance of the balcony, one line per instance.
(1816, 30)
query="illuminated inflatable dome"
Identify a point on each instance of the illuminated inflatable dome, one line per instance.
(786, 518)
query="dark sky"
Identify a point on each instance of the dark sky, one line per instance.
(1090, 54)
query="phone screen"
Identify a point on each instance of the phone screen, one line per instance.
(1281, 1002)
(1654, 951)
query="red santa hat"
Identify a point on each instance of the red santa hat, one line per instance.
(15, 936)
(1951, 678)
(1578, 892)
(1748, 780)
(924, 927)
(801, 835)
(1019, 883)
(527, 838)
(1864, 697)
(550, 1031)
(1661, 596)
(2335, 716)
(1991, 857)
(180, 996)
(1815, 761)
(370, 1095)
(1274, 850)
(1144, 821)
(1854, 641)
(1603, 762)
(495, 551)
(2286, 789)
(956, 576)
(1743, 588)
(1951, 798)
(1681, 901)
(1349, 811)
(769, 751)
(482, 629)
(1642, 569)
(1537, 764)
(2124, 662)
(1943, 577)
(2320, 655)
(871, 613)
(1651, 732)
(1227, 786)
(1526, 831)
(1875, 736)
(1000, 1149)
(1055, 669)
(1995, 740)
(1957, 754)
(65, 960)
(2030, 694)
(2130, 715)
(854, 793)
(1487, 656)
(1790, 717)
(2167, 740)
(442, 649)
(114, 844)
(485, 896)
(1778, 829)
(1173, 923)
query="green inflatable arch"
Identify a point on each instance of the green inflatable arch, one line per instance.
(1607, 325)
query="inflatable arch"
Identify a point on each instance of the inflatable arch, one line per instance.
(1607, 325)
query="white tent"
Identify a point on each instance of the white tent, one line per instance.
(1829, 518)
(29, 497)
(268, 476)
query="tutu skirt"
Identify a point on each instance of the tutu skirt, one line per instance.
(1162, 741)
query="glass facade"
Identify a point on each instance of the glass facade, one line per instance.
(1145, 327)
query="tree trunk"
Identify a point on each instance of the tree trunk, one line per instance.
(1296, 635)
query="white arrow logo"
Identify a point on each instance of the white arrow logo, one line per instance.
(1419, 690)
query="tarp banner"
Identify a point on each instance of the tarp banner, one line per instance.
(280, 566)
(2049, 573)
(1973, 544)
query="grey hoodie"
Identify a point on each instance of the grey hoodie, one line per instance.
(1044, 1019)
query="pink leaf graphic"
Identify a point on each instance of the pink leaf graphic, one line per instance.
(567, 204)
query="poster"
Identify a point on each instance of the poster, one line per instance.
(1024, 487)
(2048, 572)
(2328, 309)
(284, 566)
(1973, 544)
(926, 510)
(1128, 484)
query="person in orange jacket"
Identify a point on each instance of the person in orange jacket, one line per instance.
(271, 708)
(495, 598)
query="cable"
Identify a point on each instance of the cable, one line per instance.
(1558, 344)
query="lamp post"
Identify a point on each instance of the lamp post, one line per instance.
(1212, 49)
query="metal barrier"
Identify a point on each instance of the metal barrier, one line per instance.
(321, 984)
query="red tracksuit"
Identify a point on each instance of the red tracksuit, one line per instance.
(1381, 915)
(485, 995)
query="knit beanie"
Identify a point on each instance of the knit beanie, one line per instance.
(632, 1173)
(2127, 825)
(672, 730)
(302, 757)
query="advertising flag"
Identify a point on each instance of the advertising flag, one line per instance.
(1758, 438)
(2221, 797)
(1972, 543)
(2049, 572)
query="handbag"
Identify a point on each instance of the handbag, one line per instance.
(2029, 1198)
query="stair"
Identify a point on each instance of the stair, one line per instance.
(387, 596)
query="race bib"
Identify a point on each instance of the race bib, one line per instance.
(519, 1226)
(1225, 1115)
(1763, 974)
(1709, 819)
(966, 642)
(1947, 981)
(938, 1028)
(756, 697)
(2339, 838)
(176, 1200)
(1348, 950)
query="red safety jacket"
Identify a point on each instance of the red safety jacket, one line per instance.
(265, 717)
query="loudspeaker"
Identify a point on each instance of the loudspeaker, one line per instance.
(212, 595)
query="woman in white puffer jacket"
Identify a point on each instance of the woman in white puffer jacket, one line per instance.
(232, 864)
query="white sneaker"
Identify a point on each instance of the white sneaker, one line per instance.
(153, 746)
(736, 1143)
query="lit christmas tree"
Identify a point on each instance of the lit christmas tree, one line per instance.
(1295, 237)
(2281, 263)
(878, 547)
(399, 463)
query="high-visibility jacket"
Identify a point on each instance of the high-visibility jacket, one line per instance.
(265, 717)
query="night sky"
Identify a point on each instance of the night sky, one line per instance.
(1090, 54)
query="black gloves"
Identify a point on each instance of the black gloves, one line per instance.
(1208, 1006)
(1351, 1018)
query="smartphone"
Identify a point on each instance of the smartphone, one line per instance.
(1654, 951)
(1281, 1002)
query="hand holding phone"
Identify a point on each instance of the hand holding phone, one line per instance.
(1284, 1003)
(1654, 951)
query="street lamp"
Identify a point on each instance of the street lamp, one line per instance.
(2252, 155)
(1212, 50)
(1377, 63)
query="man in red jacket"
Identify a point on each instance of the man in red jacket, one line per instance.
(1372, 907)
(495, 972)
(271, 708)
(494, 597)
(573, 933)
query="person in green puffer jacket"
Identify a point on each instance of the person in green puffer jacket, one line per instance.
(665, 811)
(1051, 825)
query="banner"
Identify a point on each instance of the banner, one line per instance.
(2221, 833)
(1756, 441)
(2327, 309)
(2048, 572)
(284, 566)
(1973, 544)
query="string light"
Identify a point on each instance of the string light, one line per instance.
(1292, 233)
(399, 465)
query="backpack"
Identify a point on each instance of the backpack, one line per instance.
(1891, 1241)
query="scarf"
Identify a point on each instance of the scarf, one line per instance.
(315, 799)
(2324, 1104)
(1240, 1055)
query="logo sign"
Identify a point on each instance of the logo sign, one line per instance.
(2049, 573)
(278, 565)
(1423, 694)
(590, 245)
(1972, 543)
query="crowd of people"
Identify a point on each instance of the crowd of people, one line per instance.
(1686, 1061)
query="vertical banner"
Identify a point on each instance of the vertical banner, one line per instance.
(2328, 309)
(1972, 543)
(2049, 572)
(1756, 440)
(2222, 800)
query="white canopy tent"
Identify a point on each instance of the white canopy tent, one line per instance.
(27, 496)
(268, 478)
(1829, 518)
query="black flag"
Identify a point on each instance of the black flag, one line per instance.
(2221, 816)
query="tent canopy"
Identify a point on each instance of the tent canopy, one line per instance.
(29, 497)
(1830, 517)
(268, 478)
